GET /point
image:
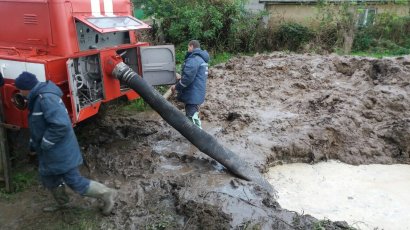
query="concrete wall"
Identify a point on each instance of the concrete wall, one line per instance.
(254, 5)
(308, 14)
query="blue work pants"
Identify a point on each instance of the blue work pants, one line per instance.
(72, 179)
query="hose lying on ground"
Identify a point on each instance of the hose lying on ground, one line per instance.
(201, 139)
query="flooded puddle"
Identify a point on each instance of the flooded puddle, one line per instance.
(366, 196)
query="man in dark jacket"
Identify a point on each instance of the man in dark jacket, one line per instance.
(53, 139)
(191, 87)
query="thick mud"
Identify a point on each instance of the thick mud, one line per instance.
(269, 109)
(282, 108)
(166, 182)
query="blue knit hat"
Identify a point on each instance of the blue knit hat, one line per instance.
(26, 81)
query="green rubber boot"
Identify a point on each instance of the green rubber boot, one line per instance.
(100, 191)
(60, 197)
(196, 120)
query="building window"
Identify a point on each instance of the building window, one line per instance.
(366, 17)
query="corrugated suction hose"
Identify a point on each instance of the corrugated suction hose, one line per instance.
(198, 137)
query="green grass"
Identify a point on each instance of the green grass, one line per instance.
(379, 48)
(162, 221)
(326, 224)
(140, 105)
(21, 180)
(162, 88)
(137, 105)
(377, 54)
(220, 58)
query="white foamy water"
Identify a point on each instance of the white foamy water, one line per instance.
(366, 196)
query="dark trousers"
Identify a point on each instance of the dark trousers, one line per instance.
(72, 179)
(191, 109)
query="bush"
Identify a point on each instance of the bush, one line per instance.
(224, 26)
(326, 38)
(184, 20)
(390, 26)
(220, 25)
(387, 36)
(363, 41)
(292, 36)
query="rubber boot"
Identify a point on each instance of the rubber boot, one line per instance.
(100, 191)
(196, 120)
(60, 197)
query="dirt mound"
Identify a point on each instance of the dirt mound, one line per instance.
(309, 108)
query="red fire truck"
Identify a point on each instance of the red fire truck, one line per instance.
(66, 41)
(85, 46)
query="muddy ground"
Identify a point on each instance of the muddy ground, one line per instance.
(270, 109)
(309, 108)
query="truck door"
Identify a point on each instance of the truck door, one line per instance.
(158, 64)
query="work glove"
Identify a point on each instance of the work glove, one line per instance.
(178, 76)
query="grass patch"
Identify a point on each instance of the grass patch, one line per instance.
(327, 224)
(366, 54)
(140, 105)
(378, 48)
(162, 88)
(220, 58)
(162, 221)
(137, 105)
(75, 218)
(21, 180)
(377, 55)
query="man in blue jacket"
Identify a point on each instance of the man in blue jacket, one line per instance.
(191, 87)
(53, 139)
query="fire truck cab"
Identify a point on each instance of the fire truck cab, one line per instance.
(67, 41)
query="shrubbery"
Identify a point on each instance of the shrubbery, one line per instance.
(221, 25)
(224, 26)
(292, 36)
(389, 35)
